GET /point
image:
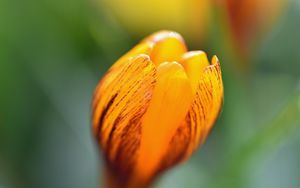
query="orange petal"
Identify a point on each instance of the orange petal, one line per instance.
(142, 48)
(194, 63)
(118, 113)
(207, 103)
(167, 46)
(172, 97)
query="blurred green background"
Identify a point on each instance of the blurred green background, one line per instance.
(53, 52)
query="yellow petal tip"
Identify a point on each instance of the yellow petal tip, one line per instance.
(215, 60)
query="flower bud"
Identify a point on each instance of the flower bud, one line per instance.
(154, 107)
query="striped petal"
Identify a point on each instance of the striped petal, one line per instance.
(117, 116)
(206, 105)
(142, 48)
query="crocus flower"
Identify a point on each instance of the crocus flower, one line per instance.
(154, 107)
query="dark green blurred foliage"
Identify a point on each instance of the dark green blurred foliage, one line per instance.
(52, 54)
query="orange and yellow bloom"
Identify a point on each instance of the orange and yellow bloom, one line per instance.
(154, 107)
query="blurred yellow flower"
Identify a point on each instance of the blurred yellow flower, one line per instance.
(139, 17)
(154, 107)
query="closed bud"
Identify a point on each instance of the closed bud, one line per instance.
(154, 107)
